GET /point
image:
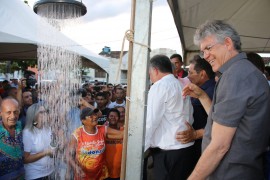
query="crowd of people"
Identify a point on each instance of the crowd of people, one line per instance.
(93, 147)
(208, 123)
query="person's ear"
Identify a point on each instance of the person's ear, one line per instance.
(229, 43)
(203, 74)
(156, 71)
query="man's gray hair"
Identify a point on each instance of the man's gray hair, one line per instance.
(162, 63)
(220, 30)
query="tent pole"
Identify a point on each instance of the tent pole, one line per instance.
(130, 53)
(138, 83)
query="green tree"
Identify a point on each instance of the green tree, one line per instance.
(11, 66)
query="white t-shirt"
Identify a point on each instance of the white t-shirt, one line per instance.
(110, 105)
(114, 104)
(35, 142)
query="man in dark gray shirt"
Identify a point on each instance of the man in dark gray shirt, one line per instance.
(237, 131)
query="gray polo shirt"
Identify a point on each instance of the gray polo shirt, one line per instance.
(241, 99)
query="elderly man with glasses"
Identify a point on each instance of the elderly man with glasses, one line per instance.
(237, 130)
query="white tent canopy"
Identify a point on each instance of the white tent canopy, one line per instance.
(249, 17)
(22, 30)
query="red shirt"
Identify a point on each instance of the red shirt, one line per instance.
(180, 74)
(90, 153)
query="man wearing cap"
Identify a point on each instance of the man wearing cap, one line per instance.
(87, 145)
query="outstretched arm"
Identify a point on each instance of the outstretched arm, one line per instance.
(84, 103)
(114, 134)
(21, 85)
(196, 92)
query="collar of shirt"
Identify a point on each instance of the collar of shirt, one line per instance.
(165, 78)
(180, 74)
(4, 132)
(229, 63)
(208, 83)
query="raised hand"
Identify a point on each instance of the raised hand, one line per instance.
(193, 91)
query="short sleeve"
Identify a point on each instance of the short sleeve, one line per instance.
(76, 133)
(27, 140)
(232, 98)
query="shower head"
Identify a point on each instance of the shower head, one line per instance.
(60, 6)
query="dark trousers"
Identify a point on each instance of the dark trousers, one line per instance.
(171, 164)
(267, 165)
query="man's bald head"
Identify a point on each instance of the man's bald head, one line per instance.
(9, 112)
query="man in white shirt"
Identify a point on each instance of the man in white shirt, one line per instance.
(120, 98)
(167, 112)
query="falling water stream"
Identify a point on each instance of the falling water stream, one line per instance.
(59, 77)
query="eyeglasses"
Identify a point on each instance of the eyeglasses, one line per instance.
(206, 50)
